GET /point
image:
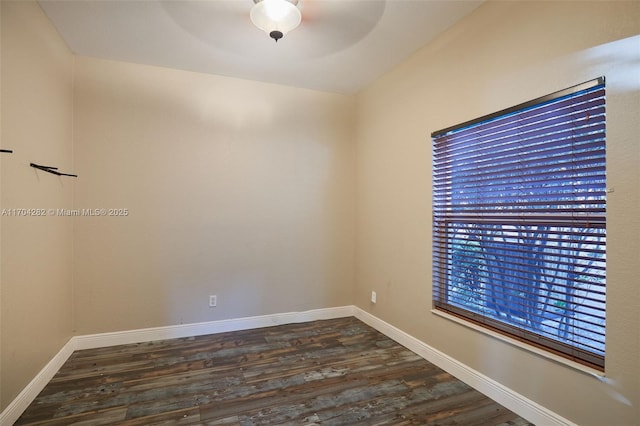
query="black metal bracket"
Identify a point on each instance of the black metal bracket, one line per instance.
(50, 169)
(9, 151)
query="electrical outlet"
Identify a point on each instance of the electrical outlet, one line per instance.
(213, 301)
(373, 297)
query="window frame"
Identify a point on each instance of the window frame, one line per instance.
(443, 241)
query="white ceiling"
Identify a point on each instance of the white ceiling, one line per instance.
(341, 45)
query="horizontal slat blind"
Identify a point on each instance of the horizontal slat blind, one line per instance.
(519, 222)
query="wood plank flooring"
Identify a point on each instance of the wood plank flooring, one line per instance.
(333, 372)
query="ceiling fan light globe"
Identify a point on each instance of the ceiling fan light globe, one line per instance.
(275, 15)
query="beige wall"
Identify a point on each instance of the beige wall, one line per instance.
(503, 54)
(36, 256)
(256, 192)
(235, 188)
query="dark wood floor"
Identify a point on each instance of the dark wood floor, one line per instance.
(334, 372)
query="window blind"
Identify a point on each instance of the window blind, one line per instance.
(519, 222)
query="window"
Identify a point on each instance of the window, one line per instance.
(519, 203)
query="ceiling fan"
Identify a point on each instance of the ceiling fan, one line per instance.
(276, 17)
(323, 27)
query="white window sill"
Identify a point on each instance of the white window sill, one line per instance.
(553, 357)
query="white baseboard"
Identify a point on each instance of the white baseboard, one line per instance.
(15, 409)
(501, 394)
(102, 340)
(515, 402)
